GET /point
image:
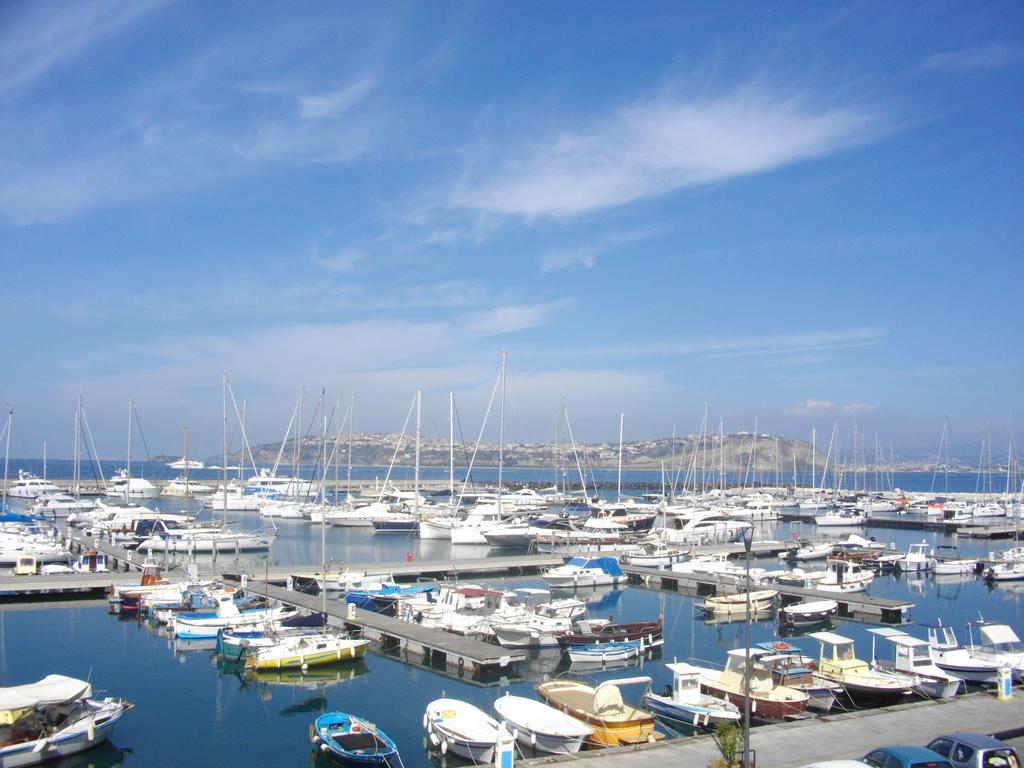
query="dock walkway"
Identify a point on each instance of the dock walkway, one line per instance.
(886, 609)
(851, 735)
(470, 657)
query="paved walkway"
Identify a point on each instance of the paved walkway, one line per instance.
(852, 735)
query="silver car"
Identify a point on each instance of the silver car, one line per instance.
(974, 750)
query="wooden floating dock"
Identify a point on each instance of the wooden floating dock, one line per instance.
(851, 604)
(63, 584)
(850, 735)
(472, 660)
(515, 565)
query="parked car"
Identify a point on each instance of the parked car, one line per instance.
(835, 764)
(975, 750)
(905, 757)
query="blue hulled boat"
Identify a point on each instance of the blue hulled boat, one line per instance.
(350, 740)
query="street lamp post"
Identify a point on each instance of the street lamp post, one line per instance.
(748, 539)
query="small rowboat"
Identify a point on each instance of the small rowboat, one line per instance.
(352, 741)
(459, 727)
(540, 727)
(604, 653)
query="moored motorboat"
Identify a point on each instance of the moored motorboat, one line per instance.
(861, 683)
(305, 650)
(650, 633)
(682, 706)
(604, 653)
(808, 613)
(791, 668)
(585, 572)
(536, 725)
(769, 701)
(53, 718)
(352, 741)
(961, 660)
(758, 600)
(913, 656)
(614, 722)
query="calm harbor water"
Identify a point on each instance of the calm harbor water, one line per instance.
(190, 712)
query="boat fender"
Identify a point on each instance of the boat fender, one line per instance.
(356, 728)
(434, 740)
(533, 738)
(90, 731)
(462, 665)
(696, 719)
(444, 747)
(324, 747)
(312, 734)
(425, 720)
(515, 733)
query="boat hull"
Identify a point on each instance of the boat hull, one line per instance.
(685, 717)
(76, 739)
(760, 709)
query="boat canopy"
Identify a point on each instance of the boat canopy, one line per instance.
(607, 564)
(17, 700)
(998, 633)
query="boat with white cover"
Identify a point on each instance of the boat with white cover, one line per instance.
(917, 559)
(862, 683)
(28, 486)
(808, 613)
(459, 727)
(53, 718)
(536, 725)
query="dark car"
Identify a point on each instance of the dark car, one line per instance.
(974, 750)
(905, 757)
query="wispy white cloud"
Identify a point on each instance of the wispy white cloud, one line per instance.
(813, 407)
(507, 319)
(805, 341)
(336, 102)
(583, 257)
(656, 146)
(809, 407)
(977, 58)
(340, 261)
(45, 35)
(859, 408)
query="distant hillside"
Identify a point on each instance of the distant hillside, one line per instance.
(734, 452)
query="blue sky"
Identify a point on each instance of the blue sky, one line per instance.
(789, 211)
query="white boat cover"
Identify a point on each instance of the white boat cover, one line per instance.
(999, 633)
(52, 689)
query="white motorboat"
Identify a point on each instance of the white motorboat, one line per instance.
(471, 530)
(683, 706)
(819, 551)
(53, 718)
(759, 600)
(654, 555)
(585, 572)
(917, 559)
(542, 628)
(954, 564)
(962, 660)
(1005, 572)
(170, 537)
(913, 656)
(846, 518)
(272, 486)
(862, 683)
(808, 613)
(180, 486)
(28, 486)
(234, 500)
(61, 505)
(459, 727)
(130, 488)
(844, 576)
(228, 615)
(183, 464)
(605, 653)
(536, 725)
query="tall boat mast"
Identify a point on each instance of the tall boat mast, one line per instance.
(416, 470)
(501, 432)
(622, 417)
(7, 449)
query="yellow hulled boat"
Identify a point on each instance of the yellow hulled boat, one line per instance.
(614, 722)
(306, 651)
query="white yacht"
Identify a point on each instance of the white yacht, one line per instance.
(130, 488)
(28, 486)
(917, 559)
(179, 486)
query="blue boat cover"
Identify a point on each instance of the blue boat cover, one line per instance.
(607, 564)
